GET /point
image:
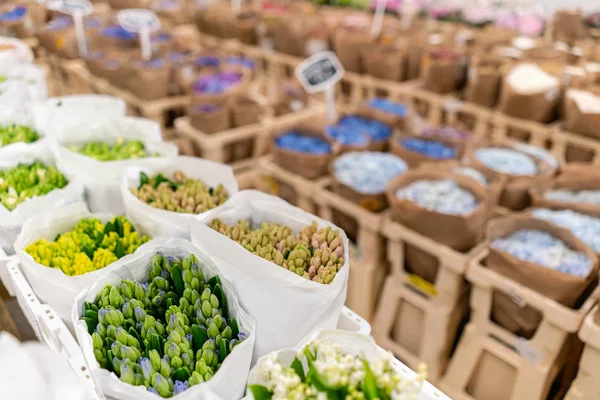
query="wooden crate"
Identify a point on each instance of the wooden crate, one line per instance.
(416, 330)
(232, 145)
(533, 133)
(587, 385)
(488, 351)
(157, 110)
(468, 116)
(449, 283)
(368, 266)
(571, 147)
(293, 188)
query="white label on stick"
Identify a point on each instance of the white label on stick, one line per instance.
(77, 9)
(143, 22)
(138, 20)
(321, 72)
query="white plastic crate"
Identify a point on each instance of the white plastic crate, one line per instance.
(50, 329)
(48, 326)
(4, 275)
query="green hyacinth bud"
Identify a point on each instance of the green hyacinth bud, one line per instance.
(176, 362)
(154, 358)
(130, 353)
(213, 329)
(121, 335)
(133, 342)
(111, 332)
(127, 374)
(214, 301)
(161, 385)
(195, 379)
(206, 309)
(114, 297)
(206, 294)
(149, 322)
(165, 369)
(175, 337)
(172, 350)
(97, 341)
(227, 332)
(125, 290)
(116, 349)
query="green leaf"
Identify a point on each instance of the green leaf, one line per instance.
(119, 227)
(89, 251)
(260, 392)
(109, 357)
(86, 306)
(177, 276)
(135, 334)
(57, 237)
(143, 180)
(297, 366)
(286, 254)
(108, 228)
(199, 337)
(128, 325)
(369, 385)
(91, 324)
(218, 291)
(93, 315)
(223, 349)
(212, 282)
(154, 343)
(119, 251)
(181, 374)
(160, 178)
(210, 191)
(170, 302)
(235, 330)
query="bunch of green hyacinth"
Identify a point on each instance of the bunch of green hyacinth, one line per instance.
(314, 253)
(168, 334)
(14, 133)
(25, 181)
(180, 194)
(90, 246)
(121, 150)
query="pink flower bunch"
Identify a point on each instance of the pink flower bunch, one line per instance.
(531, 25)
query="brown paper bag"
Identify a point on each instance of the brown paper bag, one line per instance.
(515, 195)
(372, 202)
(384, 61)
(571, 182)
(413, 158)
(442, 71)
(460, 233)
(23, 27)
(291, 35)
(245, 111)
(495, 182)
(124, 4)
(568, 26)
(577, 121)
(538, 107)
(246, 24)
(149, 80)
(484, 78)
(309, 166)
(291, 97)
(562, 288)
(349, 44)
(209, 119)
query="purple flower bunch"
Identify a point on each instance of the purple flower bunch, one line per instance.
(218, 82)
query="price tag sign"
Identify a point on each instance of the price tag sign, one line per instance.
(141, 21)
(321, 72)
(77, 9)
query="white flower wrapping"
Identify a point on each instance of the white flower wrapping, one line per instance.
(287, 307)
(156, 222)
(15, 51)
(102, 179)
(59, 113)
(230, 380)
(354, 343)
(51, 285)
(12, 221)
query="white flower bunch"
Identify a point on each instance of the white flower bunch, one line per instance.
(324, 370)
